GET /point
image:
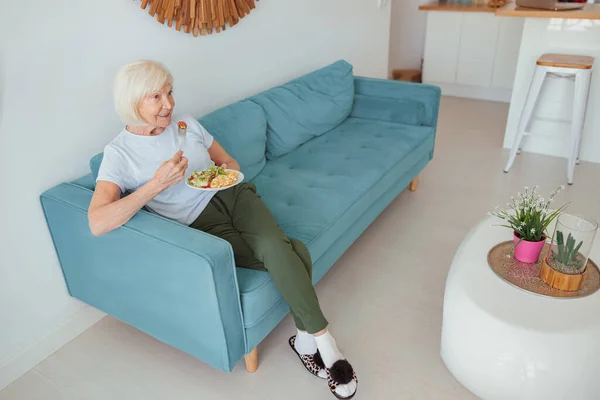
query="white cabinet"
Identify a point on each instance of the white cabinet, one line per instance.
(441, 54)
(472, 54)
(476, 53)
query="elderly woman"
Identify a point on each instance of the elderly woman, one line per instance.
(146, 161)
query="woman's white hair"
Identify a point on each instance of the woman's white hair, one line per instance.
(134, 82)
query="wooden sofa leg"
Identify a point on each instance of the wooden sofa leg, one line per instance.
(251, 360)
(413, 184)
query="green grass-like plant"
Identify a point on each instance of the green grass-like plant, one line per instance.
(529, 214)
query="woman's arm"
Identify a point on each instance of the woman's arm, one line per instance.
(108, 212)
(219, 156)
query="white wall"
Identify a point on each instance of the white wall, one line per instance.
(407, 35)
(57, 62)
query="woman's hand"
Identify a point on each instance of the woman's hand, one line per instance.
(171, 172)
(235, 167)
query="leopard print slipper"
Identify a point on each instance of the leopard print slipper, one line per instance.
(341, 373)
(312, 362)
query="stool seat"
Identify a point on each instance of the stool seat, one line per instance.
(566, 61)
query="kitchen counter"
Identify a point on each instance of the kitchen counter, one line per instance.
(589, 11)
(436, 6)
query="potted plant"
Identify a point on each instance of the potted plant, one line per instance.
(528, 215)
(565, 266)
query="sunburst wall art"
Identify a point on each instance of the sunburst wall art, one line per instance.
(199, 16)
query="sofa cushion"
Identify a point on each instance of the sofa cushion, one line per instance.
(311, 187)
(258, 295)
(241, 128)
(319, 190)
(306, 107)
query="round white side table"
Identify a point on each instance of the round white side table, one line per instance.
(503, 343)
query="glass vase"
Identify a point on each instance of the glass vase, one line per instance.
(565, 264)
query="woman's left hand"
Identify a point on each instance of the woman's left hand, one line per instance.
(234, 167)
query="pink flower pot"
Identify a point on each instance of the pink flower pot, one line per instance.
(528, 252)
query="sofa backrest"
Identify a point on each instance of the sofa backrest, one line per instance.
(306, 107)
(241, 128)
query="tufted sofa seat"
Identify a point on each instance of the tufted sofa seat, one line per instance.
(315, 191)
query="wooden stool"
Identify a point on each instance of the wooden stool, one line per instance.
(578, 68)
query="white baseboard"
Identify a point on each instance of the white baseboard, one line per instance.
(474, 92)
(16, 366)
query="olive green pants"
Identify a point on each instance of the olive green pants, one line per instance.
(239, 216)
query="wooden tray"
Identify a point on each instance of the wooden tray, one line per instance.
(527, 276)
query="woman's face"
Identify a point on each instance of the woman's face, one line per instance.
(156, 108)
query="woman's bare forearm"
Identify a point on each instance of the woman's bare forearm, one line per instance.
(219, 156)
(107, 217)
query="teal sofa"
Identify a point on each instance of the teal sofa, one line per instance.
(327, 152)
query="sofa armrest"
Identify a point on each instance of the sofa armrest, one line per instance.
(166, 279)
(415, 103)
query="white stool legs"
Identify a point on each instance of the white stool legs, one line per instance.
(530, 101)
(582, 86)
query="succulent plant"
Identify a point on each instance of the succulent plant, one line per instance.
(566, 253)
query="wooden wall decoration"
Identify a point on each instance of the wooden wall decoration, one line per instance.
(199, 16)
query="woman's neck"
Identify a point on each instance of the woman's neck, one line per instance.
(145, 130)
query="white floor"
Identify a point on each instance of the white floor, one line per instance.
(383, 297)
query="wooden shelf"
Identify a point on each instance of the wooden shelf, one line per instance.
(589, 11)
(436, 6)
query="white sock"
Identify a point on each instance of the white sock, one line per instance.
(330, 354)
(328, 349)
(305, 343)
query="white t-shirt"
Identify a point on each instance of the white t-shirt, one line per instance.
(131, 160)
